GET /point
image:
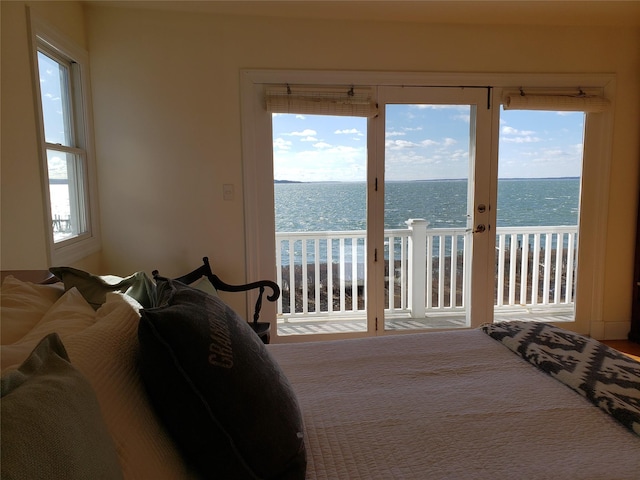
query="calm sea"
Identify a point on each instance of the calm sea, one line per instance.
(336, 206)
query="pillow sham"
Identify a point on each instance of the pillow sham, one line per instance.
(94, 287)
(70, 314)
(51, 422)
(107, 354)
(23, 304)
(204, 285)
(213, 382)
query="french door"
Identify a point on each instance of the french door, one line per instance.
(384, 224)
(430, 250)
(433, 219)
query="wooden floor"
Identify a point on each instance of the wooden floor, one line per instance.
(625, 346)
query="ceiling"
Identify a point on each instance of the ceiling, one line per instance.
(487, 12)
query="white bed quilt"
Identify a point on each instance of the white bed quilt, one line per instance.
(448, 405)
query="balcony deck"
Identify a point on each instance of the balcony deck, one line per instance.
(332, 325)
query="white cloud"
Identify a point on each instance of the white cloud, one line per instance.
(395, 134)
(513, 131)
(513, 135)
(309, 139)
(411, 165)
(399, 144)
(428, 143)
(345, 151)
(349, 130)
(307, 132)
(327, 162)
(523, 139)
(441, 107)
(450, 141)
(460, 155)
(281, 144)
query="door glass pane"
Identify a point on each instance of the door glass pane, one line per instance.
(539, 178)
(427, 182)
(320, 214)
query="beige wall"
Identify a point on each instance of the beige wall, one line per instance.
(167, 120)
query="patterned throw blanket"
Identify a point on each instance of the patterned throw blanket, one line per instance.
(609, 379)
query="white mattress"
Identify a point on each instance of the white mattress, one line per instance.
(448, 405)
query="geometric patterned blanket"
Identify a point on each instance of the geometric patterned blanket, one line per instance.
(606, 377)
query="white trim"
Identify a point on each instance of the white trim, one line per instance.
(615, 330)
(256, 133)
(598, 132)
(74, 249)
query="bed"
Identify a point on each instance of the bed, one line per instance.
(158, 379)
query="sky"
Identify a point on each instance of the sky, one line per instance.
(425, 142)
(51, 84)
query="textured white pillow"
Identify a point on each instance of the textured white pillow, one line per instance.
(70, 314)
(106, 353)
(23, 304)
(51, 422)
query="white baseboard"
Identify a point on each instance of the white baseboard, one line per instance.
(610, 330)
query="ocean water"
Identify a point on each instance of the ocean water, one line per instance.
(338, 206)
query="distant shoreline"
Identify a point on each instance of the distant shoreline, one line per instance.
(517, 179)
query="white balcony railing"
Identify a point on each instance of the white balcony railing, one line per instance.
(323, 274)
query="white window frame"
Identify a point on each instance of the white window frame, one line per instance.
(258, 164)
(69, 250)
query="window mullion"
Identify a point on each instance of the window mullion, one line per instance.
(63, 148)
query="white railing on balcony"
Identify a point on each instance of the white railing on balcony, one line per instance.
(426, 270)
(536, 265)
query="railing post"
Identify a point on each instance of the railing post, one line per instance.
(417, 266)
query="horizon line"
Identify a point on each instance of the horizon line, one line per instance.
(425, 180)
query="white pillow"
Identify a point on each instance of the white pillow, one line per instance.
(52, 427)
(106, 353)
(70, 314)
(23, 304)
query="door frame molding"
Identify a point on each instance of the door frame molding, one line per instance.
(257, 160)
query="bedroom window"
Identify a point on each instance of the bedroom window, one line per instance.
(67, 161)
